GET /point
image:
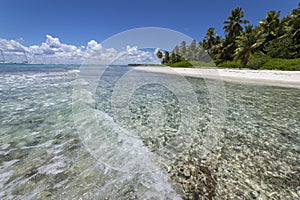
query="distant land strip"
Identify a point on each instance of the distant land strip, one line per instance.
(144, 64)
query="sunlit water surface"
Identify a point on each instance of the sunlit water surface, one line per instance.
(43, 157)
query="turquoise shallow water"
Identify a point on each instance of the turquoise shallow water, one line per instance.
(42, 155)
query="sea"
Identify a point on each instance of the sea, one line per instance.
(69, 132)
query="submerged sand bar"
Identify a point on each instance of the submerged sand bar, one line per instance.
(269, 77)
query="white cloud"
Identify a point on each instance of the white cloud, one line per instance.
(11, 45)
(93, 49)
(135, 55)
(53, 46)
(54, 51)
(131, 50)
(93, 45)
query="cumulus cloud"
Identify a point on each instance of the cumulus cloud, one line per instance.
(95, 46)
(54, 51)
(131, 50)
(93, 49)
(135, 55)
(13, 50)
(11, 46)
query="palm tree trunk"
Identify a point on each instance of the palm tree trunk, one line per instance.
(244, 61)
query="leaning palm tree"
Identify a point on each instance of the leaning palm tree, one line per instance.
(289, 32)
(247, 43)
(270, 27)
(233, 23)
(294, 25)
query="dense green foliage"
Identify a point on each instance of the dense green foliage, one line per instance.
(282, 64)
(183, 63)
(203, 64)
(274, 37)
(273, 44)
(257, 60)
(265, 62)
(230, 64)
(183, 54)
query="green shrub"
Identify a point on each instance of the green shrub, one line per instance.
(257, 60)
(181, 64)
(217, 61)
(283, 48)
(202, 64)
(230, 64)
(282, 64)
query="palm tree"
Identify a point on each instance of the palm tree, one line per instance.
(176, 50)
(166, 58)
(270, 28)
(233, 23)
(209, 39)
(232, 28)
(227, 48)
(294, 25)
(192, 50)
(182, 48)
(247, 43)
(159, 54)
(295, 29)
(211, 43)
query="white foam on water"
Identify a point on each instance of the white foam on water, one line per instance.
(57, 165)
(4, 176)
(7, 164)
(81, 82)
(32, 134)
(4, 146)
(126, 159)
(113, 146)
(45, 144)
(75, 71)
(145, 186)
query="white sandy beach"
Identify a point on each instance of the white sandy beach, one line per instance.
(269, 77)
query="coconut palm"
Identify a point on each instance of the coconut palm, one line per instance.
(211, 43)
(182, 48)
(270, 27)
(294, 24)
(159, 54)
(166, 58)
(176, 50)
(247, 43)
(233, 23)
(232, 28)
(210, 38)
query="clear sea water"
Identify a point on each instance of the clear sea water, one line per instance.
(43, 154)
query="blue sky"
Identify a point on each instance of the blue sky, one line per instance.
(77, 22)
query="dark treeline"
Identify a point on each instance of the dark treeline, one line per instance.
(192, 52)
(244, 43)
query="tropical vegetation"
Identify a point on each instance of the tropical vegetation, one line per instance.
(272, 44)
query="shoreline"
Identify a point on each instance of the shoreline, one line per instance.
(265, 77)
